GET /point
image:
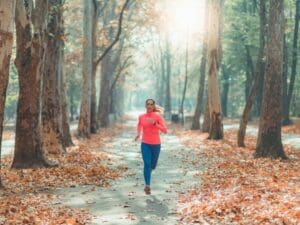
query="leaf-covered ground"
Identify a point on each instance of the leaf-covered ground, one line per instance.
(236, 188)
(26, 197)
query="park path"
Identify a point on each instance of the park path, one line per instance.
(125, 202)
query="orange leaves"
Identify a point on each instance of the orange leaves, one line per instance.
(23, 200)
(35, 210)
(237, 188)
(70, 221)
(291, 129)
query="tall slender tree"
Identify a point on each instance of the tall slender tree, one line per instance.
(107, 63)
(198, 110)
(225, 88)
(84, 125)
(181, 110)
(64, 120)
(97, 9)
(7, 12)
(51, 106)
(269, 135)
(258, 73)
(286, 110)
(214, 55)
(168, 105)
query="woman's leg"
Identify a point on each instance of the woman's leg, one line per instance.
(146, 154)
(155, 150)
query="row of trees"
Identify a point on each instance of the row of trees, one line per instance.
(270, 72)
(42, 116)
(251, 45)
(41, 50)
(42, 121)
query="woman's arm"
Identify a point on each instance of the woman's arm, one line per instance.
(160, 124)
(139, 129)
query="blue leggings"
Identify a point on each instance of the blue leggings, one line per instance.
(150, 154)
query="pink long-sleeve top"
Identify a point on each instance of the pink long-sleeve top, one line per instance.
(151, 131)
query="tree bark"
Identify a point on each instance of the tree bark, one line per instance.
(104, 101)
(294, 62)
(168, 107)
(250, 73)
(51, 111)
(94, 124)
(84, 126)
(65, 120)
(185, 80)
(269, 135)
(161, 90)
(225, 89)
(30, 64)
(108, 66)
(214, 51)
(206, 119)
(259, 65)
(285, 110)
(7, 12)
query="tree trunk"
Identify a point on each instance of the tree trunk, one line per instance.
(250, 72)
(115, 75)
(7, 12)
(30, 64)
(94, 124)
(161, 91)
(84, 126)
(107, 70)
(197, 114)
(285, 110)
(214, 51)
(65, 121)
(51, 111)
(259, 91)
(206, 119)
(168, 106)
(72, 108)
(259, 64)
(225, 89)
(294, 59)
(269, 135)
(104, 101)
(185, 80)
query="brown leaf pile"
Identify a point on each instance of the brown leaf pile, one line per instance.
(36, 210)
(23, 197)
(294, 129)
(236, 188)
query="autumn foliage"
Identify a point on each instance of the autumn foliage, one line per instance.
(26, 197)
(236, 188)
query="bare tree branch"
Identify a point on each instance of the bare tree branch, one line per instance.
(117, 35)
(122, 67)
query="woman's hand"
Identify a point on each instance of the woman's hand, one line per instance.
(151, 120)
(137, 137)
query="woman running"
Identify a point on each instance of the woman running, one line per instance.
(150, 124)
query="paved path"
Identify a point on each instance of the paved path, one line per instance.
(125, 202)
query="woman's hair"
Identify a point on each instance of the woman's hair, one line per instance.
(157, 108)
